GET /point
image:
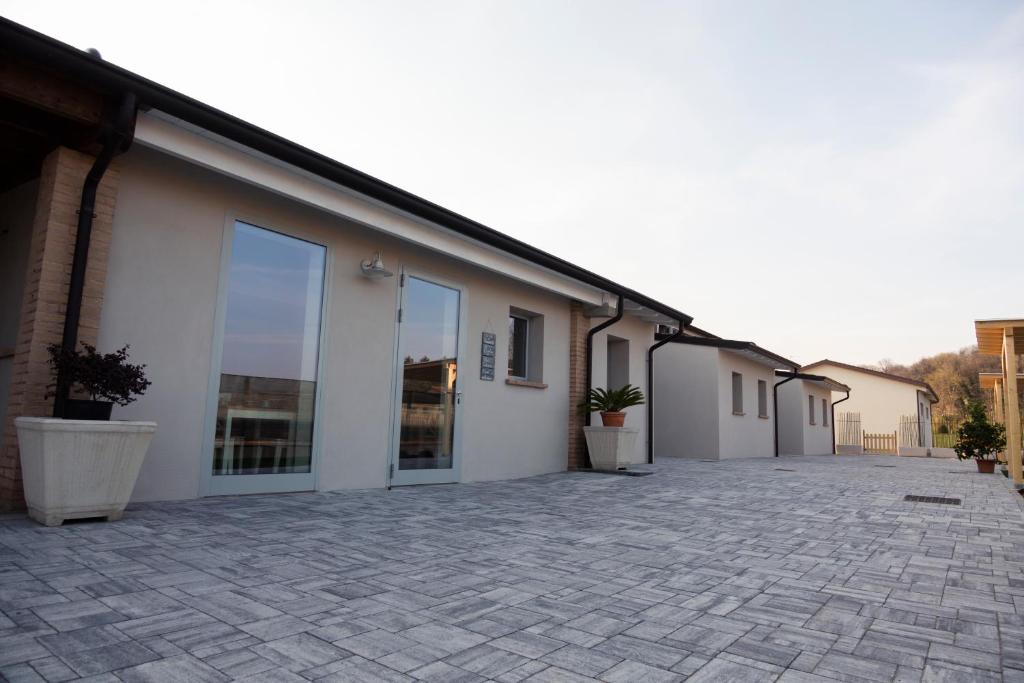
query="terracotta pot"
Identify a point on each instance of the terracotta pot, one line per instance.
(986, 466)
(616, 419)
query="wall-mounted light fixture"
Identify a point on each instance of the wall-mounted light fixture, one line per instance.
(374, 268)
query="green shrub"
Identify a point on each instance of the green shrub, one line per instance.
(978, 437)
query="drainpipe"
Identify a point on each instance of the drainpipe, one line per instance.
(619, 310)
(834, 404)
(650, 388)
(117, 136)
(775, 406)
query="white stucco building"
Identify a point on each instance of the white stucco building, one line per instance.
(886, 403)
(305, 326)
(715, 398)
(806, 417)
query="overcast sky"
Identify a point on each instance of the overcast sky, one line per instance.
(823, 178)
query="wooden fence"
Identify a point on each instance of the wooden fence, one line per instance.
(848, 431)
(880, 443)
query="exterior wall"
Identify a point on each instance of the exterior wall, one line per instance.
(641, 336)
(162, 289)
(924, 407)
(44, 294)
(17, 211)
(797, 436)
(747, 435)
(686, 406)
(880, 401)
(817, 437)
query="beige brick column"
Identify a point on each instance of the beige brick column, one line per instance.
(579, 325)
(46, 290)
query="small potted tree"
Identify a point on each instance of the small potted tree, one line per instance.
(611, 446)
(85, 465)
(611, 403)
(979, 438)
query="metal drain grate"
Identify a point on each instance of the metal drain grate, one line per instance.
(931, 499)
(783, 469)
(885, 465)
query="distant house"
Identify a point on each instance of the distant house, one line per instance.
(715, 398)
(886, 404)
(806, 419)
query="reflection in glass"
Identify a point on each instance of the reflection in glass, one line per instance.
(269, 359)
(430, 331)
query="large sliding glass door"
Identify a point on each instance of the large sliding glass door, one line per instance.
(428, 398)
(267, 395)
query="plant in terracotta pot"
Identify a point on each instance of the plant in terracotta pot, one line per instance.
(107, 378)
(979, 438)
(85, 464)
(611, 402)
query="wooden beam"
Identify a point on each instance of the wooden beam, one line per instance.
(50, 92)
(1011, 408)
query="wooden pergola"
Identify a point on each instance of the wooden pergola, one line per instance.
(1005, 338)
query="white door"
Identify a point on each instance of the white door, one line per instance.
(428, 395)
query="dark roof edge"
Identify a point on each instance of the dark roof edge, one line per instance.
(732, 345)
(878, 373)
(812, 378)
(71, 61)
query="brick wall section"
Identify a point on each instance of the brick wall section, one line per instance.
(46, 291)
(578, 328)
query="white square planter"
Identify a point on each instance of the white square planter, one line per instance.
(611, 448)
(80, 468)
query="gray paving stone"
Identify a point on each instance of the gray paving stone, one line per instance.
(179, 668)
(719, 670)
(299, 652)
(630, 671)
(109, 657)
(826, 571)
(581, 660)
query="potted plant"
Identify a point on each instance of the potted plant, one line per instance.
(979, 438)
(611, 446)
(85, 465)
(611, 402)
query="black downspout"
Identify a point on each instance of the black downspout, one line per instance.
(775, 406)
(834, 404)
(590, 358)
(117, 136)
(650, 388)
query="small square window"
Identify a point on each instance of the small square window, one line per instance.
(737, 393)
(762, 398)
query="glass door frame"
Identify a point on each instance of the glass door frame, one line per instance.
(395, 476)
(240, 484)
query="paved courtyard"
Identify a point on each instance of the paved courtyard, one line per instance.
(790, 569)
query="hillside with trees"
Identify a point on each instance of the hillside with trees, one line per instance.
(953, 375)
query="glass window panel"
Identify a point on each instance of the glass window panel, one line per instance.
(270, 354)
(518, 334)
(430, 333)
(737, 393)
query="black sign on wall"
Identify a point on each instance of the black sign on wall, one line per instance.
(487, 350)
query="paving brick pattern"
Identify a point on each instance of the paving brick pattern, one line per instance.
(732, 571)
